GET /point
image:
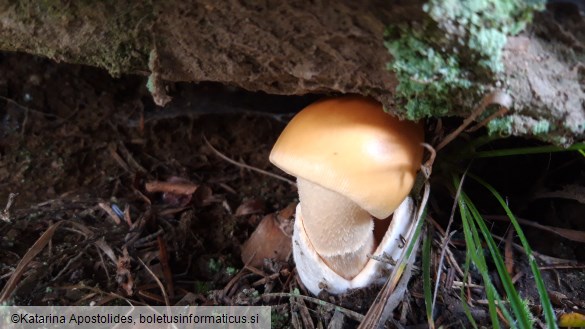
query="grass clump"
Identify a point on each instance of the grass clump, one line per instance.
(506, 307)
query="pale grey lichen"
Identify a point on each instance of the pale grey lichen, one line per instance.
(445, 62)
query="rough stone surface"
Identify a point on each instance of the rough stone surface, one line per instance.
(280, 47)
(546, 78)
(295, 47)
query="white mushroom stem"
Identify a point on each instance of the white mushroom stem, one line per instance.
(340, 231)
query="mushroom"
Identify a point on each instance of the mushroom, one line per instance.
(353, 163)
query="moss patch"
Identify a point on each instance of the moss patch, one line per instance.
(446, 61)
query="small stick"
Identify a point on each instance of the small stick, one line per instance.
(183, 188)
(498, 97)
(497, 114)
(5, 214)
(446, 238)
(158, 282)
(509, 251)
(353, 315)
(242, 165)
(166, 268)
(106, 207)
(22, 107)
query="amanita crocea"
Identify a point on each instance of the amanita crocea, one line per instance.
(353, 163)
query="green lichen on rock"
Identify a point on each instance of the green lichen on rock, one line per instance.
(524, 125)
(427, 77)
(445, 61)
(541, 127)
(503, 126)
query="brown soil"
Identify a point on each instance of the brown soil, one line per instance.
(76, 143)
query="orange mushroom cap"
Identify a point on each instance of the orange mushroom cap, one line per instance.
(351, 146)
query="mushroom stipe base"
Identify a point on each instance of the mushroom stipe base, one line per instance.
(317, 276)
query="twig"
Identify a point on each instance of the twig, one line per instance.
(108, 209)
(461, 284)
(106, 249)
(69, 263)
(102, 262)
(427, 167)
(243, 165)
(5, 214)
(109, 295)
(562, 267)
(497, 114)
(509, 251)
(156, 279)
(166, 268)
(571, 192)
(114, 154)
(183, 188)
(396, 284)
(497, 96)
(22, 107)
(32, 252)
(353, 315)
(546, 259)
(573, 235)
(129, 159)
(146, 240)
(446, 239)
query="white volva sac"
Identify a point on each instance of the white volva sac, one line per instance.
(317, 276)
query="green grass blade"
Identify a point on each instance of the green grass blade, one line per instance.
(426, 267)
(492, 294)
(421, 214)
(420, 222)
(528, 150)
(523, 318)
(475, 253)
(542, 292)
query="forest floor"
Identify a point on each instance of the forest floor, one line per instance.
(82, 151)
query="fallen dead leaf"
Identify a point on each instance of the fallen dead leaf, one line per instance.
(250, 207)
(269, 240)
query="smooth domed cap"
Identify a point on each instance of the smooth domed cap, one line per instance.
(351, 146)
